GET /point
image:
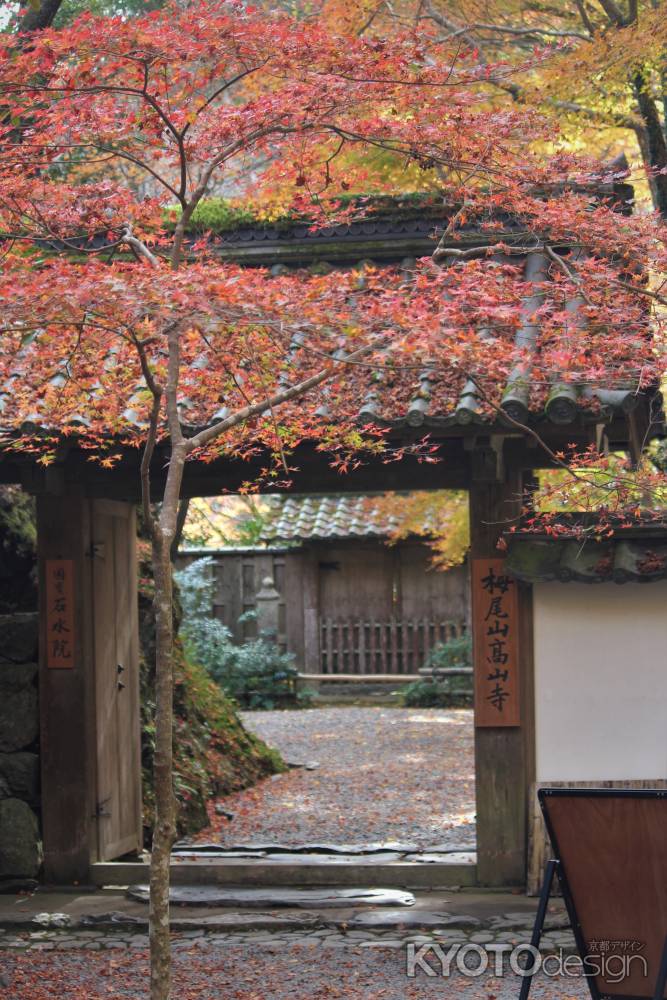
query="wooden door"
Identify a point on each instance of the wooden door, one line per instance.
(115, 622)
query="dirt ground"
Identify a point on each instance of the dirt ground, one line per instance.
(263, 972)
(382, 774)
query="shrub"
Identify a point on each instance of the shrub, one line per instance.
(446, 692)
(254, 673)
(453, 653)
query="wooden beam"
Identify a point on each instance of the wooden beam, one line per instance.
(66, 698)
(460, 459)
(503, 755)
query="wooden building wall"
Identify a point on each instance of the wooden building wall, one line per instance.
(340, 582)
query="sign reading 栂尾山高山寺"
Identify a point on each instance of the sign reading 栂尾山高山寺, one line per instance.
(495, 628)
(59, 613)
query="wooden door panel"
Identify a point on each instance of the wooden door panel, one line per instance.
(117, 691)
(128, 828)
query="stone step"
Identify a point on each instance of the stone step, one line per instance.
(449, 871)
(272, 898)
(258, 848)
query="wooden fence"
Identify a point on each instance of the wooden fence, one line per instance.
(391, 646)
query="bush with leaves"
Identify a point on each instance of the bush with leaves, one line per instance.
(453, 653)
(443, 691)
(255, 672)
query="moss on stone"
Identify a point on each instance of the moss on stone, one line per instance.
(219, 215)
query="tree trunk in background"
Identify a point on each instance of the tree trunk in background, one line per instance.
(41, 16)
(654, 144)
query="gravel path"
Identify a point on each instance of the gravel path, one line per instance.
(263, 971)
(383, 774)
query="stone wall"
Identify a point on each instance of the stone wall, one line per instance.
(20, 844)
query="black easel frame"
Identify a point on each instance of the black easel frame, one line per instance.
(555, 866)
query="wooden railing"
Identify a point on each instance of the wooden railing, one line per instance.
(389, 646)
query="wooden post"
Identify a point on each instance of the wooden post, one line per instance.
(311, 613)
(503, 754)
(66, 697)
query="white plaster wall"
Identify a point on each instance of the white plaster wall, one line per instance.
(600, 681)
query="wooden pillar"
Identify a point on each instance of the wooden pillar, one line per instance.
(503, 754)
(311, 610)
(294, 629)
(66, 692)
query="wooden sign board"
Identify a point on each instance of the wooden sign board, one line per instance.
(611, 845)
(59, 613)
(495, 648)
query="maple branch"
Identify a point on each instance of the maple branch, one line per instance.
(510, 30)
(225, 86)
(202, 187)
(491, 248)
(149, 448)
(513, 89)
(209, 434)
(567, 271)
(578, 478)
(583, 13)
(138, 245)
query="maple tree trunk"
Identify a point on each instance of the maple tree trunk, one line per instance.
(164, 831)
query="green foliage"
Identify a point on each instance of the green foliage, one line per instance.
(256, 673)
(454, 653)
(17, 519)
(448, 692)
(18, 540)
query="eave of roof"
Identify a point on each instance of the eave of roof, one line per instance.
(626, 557)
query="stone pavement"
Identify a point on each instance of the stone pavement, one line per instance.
(85, 945)
(109, 919)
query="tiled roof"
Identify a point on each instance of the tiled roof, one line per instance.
(445, 404)
(441, 403)
(314, 518)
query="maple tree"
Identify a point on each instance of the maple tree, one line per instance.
(120, 331)
(601, 71)
(438, 516)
